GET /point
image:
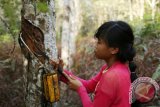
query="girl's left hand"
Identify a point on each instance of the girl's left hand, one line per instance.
(73, 83)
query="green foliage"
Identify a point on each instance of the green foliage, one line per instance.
(10, 13)
(2, 28)
(151, 29)
(147, 27)
(10, 22)
(5, 38)
(42, 7)
(157, 73)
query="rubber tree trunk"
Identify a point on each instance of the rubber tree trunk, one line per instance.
(41, 13)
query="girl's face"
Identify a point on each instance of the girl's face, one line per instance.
(103, 51)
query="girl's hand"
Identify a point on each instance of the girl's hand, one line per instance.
(57, 65)
(73, 83)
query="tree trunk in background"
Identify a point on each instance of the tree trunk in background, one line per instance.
(141, 9)
(65, 33)
(136, 9)
(152, 4)
(45, 20)
(70, 26)
(130, 10)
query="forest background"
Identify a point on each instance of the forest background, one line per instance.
(81, 21)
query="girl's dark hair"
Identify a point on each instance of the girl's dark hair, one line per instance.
(120, 35)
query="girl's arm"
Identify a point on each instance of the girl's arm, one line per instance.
(88, 84)
(105, 94)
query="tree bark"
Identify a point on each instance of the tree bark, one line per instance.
(45, 20)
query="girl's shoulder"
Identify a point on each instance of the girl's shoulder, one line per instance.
(120, 67)
(118, 70)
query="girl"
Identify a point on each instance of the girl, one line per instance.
(111, 85)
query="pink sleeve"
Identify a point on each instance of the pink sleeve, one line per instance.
(91, 84)
(88, 84)
(105, 94)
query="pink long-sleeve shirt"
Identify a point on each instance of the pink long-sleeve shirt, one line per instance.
(111, 88)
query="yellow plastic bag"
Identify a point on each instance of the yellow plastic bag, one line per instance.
(51, 87)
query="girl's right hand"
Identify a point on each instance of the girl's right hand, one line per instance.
(73, 82)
